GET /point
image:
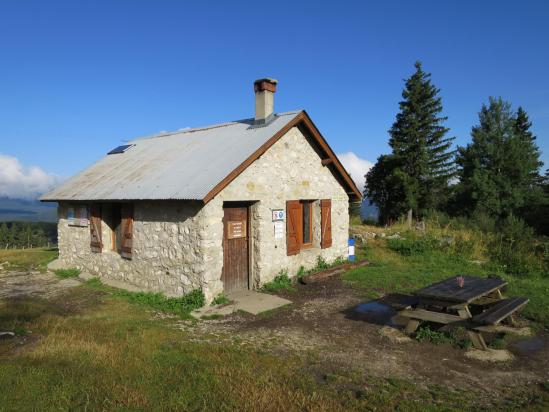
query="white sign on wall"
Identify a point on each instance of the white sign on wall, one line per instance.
(279, 230)
(278, 215)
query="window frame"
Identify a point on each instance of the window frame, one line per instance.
(116, 220)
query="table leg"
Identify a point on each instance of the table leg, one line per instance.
(511, 320)
(477, 339)
(411, 326)
(464, 313)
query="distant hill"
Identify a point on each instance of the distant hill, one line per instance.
(27, 210)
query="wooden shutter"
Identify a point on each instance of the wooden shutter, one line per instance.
(96, 243)
(326, 223)
(127, 230)
(293, 225)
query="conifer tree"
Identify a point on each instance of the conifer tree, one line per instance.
(416, 173)
(4, 235)
(499, 169)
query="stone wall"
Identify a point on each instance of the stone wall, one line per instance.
(289, 170)
(166, 255)
(177, 245)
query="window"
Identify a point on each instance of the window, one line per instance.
(300, 222)
(119, 219)
(307, 227)
(77, 215)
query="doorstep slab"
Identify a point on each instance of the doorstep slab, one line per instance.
(255, 302)
(245, 300)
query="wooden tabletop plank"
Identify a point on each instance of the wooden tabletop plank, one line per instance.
(473, 288)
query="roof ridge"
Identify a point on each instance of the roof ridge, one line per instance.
(209, 127)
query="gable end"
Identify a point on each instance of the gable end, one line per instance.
(308, 128)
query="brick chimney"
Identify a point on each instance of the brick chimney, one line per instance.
(264, 99)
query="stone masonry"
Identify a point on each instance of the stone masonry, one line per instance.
(177, 245)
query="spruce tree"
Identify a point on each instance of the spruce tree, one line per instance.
(386, 188)
(531, 163)
(416, 173)
(4, 235)
(499, 169)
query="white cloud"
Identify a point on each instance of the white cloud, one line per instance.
(20, 182)
(356, 167)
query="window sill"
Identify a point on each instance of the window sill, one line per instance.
(309, 249)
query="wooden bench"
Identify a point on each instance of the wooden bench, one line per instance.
(500, 311)
(487, 320)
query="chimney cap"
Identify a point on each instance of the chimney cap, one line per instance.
(265, 84)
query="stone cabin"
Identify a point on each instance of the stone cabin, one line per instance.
(220, 208)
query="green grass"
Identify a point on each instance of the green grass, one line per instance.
(36, 258)
(392, 271)
(181, 306)
(96, 348)
(67, 273)
(108, 354)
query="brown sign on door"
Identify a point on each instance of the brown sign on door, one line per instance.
(236, 229)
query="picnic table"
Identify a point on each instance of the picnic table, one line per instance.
(476, 303)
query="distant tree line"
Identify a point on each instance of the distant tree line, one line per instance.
(497, 176)
(17, 235)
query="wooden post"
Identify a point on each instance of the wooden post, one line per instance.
(409, 219)
(411, 326)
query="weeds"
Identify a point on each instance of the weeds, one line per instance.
(498, 343)
(455, 337)
(67, 273)
(220, 299)
(320, 265)
(181, 306)
(281, 281)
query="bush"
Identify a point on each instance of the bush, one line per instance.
(410, 246)
(515, 249)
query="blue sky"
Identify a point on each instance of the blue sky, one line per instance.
(79, 77)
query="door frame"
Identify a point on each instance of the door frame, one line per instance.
(248, 205)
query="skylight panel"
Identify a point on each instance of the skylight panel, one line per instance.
(120, 149)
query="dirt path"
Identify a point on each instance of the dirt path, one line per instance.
(322, 322)
(19, 283)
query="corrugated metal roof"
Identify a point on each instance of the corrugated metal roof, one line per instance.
(186, 164)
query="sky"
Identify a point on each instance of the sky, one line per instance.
(77, 78)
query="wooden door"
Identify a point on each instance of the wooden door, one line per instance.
(235, 248)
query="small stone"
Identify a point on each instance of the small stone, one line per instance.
(6, 335)
(490, 355)
(394, 335)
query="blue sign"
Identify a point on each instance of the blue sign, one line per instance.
(278, 215)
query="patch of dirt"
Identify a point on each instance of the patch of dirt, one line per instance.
(27, 296)
(15, 284)
(321, 323)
